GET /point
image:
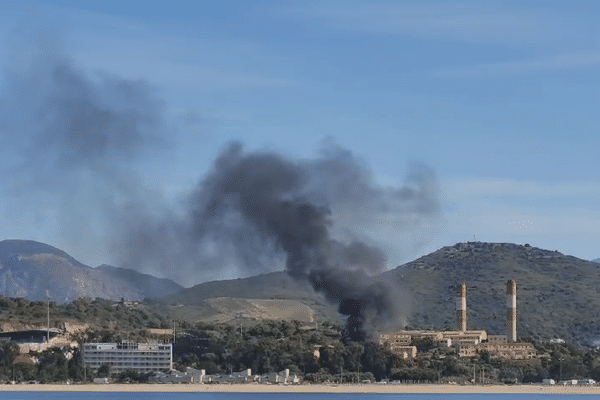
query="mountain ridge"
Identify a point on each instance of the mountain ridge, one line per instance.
(34, 270)
(558, 295)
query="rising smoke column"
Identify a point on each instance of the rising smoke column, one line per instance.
(77, 137)
(279, 199)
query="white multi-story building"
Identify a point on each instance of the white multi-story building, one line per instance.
(124, 356)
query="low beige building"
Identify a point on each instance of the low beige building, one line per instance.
(396, 338)
(480, 335)
(509, 350)
(466, 350)
(398, 343)
(497, 339)
(404, 351)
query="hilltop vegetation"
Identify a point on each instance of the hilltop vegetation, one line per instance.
(558, 295)
(105, 318)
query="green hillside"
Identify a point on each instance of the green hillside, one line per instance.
(558, 295)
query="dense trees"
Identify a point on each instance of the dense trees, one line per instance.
(321, 354)
(106, 314)
(317, 352)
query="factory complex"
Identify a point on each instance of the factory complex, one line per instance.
(467, 343)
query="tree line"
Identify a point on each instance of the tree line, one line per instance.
(319, 353)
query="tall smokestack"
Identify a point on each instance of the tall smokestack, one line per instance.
(461, 307)
(511, 309)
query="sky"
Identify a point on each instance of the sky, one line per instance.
(499, 100)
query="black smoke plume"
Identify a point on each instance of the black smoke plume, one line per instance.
(76, 141)
(283, 204)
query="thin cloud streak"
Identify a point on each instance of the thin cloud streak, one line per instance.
(170, 73)
(456, 22)
(470, 188)
(166, 56)
(519, 67)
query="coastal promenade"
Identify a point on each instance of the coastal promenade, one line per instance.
(305, 388)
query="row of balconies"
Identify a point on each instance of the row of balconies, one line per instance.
(107, 359)
(126, 364)
(114, 351)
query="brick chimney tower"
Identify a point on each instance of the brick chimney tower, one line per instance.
(461, 307)
(511, 309)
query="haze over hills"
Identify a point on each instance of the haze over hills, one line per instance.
(29, 269)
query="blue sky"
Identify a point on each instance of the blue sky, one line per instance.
(500, 99)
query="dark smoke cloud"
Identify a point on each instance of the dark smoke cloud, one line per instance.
(73, 138)
(73, 123)
(255, 206)
(79, 137)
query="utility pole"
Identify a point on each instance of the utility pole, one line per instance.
(561, 360)
(82, 355)
(48, 315)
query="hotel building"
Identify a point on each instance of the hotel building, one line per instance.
(124, 356)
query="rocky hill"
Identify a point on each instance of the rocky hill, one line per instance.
(149, 285)
(28, 269)
(558, 295)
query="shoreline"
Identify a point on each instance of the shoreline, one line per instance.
(320, 388)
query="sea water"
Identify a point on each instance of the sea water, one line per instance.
(285, 396)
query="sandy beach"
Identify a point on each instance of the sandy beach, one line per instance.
(374, 388)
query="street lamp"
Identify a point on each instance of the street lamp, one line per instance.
(561, 360)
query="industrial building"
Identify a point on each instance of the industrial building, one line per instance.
(128, 356)
(468, 343)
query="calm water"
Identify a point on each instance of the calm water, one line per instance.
(286, 396)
